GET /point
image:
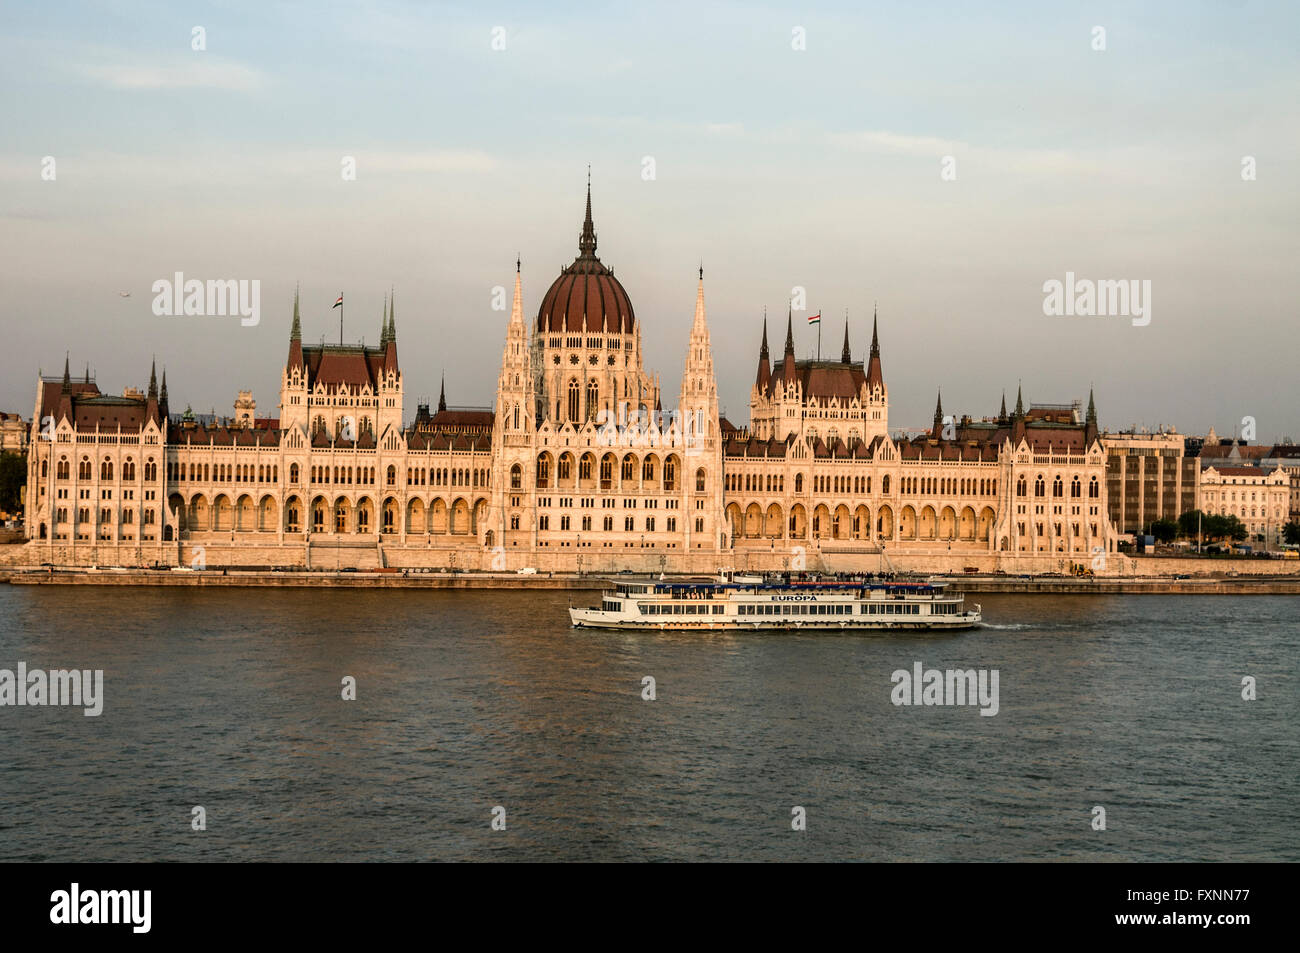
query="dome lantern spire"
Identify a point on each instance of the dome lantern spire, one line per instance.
(587, 243)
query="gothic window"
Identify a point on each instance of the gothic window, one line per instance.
(83, 469)
(699, 480)
(593, 395)
(1075, 488)
(1058, 488)
(884, 485)
(1040, 486)
(573, 399)
(516, 477)
(670, 475)
(128, 469)
(562, 471)
(392, 476)
(628, 464)
(798, 482)
(584, 468)
(1093, 489)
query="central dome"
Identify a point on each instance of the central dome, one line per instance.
(586, 294)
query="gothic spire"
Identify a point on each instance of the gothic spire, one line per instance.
(392, 316)
(1020, 403)
(846, 356)
(67, 378)
(295, 333)
(764, 363)
(875, 376)
(938, 414)
(162, 394)
(442, 395)
(153, 379)
(1002, 414)
(587, 243)
(383, 325)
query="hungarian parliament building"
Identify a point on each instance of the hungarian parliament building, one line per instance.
(579, 466)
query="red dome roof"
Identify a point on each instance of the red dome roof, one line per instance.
(586, 290)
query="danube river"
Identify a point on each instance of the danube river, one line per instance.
(470, 700)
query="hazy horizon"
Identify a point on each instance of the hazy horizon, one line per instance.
(775, 167)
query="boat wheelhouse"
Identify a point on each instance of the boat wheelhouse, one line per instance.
(757, 603)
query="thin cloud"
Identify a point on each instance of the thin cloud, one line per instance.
(203, 71)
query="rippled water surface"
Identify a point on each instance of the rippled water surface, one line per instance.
(230, 699)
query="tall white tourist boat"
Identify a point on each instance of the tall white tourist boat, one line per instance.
(752, 602)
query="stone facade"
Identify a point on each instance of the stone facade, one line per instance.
(577, 466)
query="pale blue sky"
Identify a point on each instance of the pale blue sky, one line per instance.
(775, 167)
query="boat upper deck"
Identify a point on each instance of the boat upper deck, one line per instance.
(706, 589)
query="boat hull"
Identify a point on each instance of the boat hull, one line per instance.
(598, 619)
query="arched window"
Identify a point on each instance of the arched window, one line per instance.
(798, 482)
(1040, 486)
(884, 484)
(699, 480)
(83, 469)
(562, 470)
(593, 393)
(1076, 489)
(128, 469)
(670, 475)
(45, 468)
(574, 394)
(628, 464)
(584, 468)
(1022, 488)
(392, 475)
(62, 469)
(1058, 488)
(516, 477)
(1093, 489)
(648, 469)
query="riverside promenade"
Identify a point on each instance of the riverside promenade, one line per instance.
(413, 579)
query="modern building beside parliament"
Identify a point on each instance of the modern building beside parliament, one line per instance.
(578, 467)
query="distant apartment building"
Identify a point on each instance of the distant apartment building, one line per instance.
(1286, 457)
(1149, 477)
(13, 433)
(1259, 497)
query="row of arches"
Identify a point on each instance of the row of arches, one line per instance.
(320, 514)
(1058, 486)
(859, 523)
(85, 469)
(608, 472)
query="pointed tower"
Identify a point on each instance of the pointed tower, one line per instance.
(875, 378)
(293, 380)
(938, 416)
(295, 336)
(383, 326)
(1018, 418)
(764, 362)
(846, 355)
(1003, 420)
(788, 372)
(442, 394)
(1090, 422)
(700, 477)
(162, 397)
(151, 397)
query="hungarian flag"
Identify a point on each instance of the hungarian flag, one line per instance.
(812, 318)
(339, 303)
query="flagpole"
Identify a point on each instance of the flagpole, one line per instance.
(340, 319)
(819, 336)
